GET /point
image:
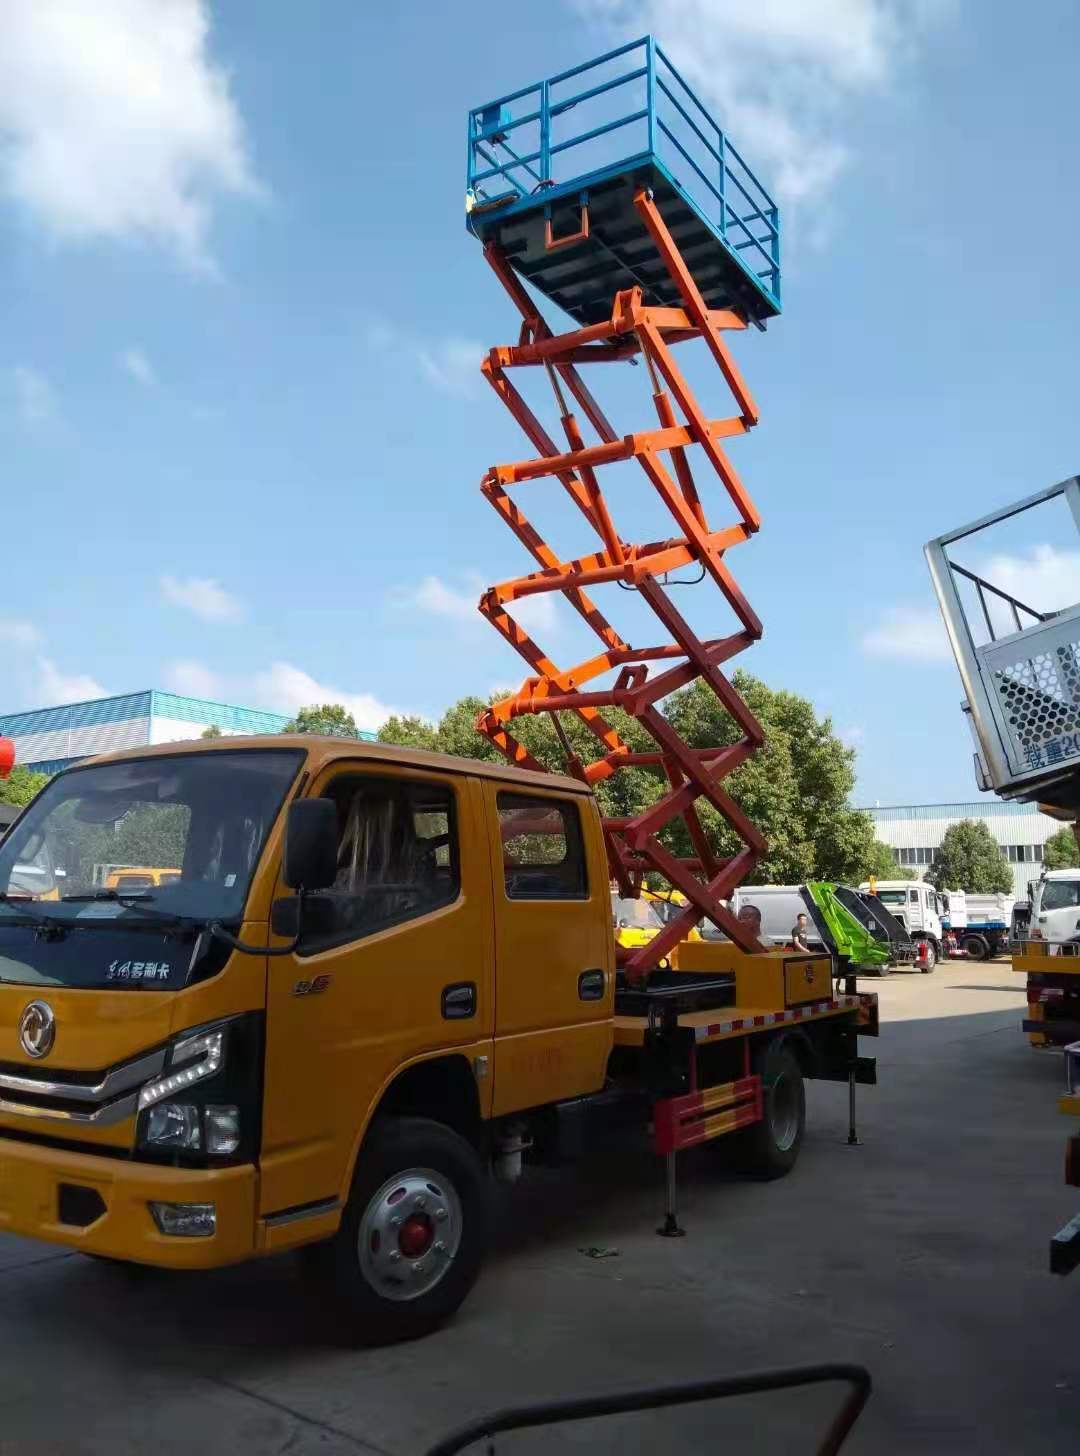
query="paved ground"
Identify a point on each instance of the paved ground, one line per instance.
(921, 1254)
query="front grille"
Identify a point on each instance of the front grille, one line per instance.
(101, 1098)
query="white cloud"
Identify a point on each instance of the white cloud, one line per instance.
(1046, 579)
(17, 632)
(35, 398)
(452, 365)
(202, 595)
(284, 688)
(280, 688)
(54, 686)
(535, 613)
(192, 680)
(915, 634)
(134, 362)
(780, 73)
(115, 122)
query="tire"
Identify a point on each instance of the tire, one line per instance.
(387, 1293)
(770, 1148)
(976, 948)
(931, 958)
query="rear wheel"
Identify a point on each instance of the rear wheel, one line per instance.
(770, 1148)
(412, 1237)
(976, 948)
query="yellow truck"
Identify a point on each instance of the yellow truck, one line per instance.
(380, 976)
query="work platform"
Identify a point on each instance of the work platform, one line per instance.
(552, 174)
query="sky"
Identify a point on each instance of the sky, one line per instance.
(241, 417)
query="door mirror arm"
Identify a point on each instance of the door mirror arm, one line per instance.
(218, 931)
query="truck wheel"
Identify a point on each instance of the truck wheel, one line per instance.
(930, 959)
(770, 1148)
(412, 1237)
(976, 948)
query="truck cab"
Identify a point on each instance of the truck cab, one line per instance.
(918, 907)
(1055, 907)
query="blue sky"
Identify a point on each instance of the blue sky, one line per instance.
(240, 416)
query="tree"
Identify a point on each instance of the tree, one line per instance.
(883, 864)
(795, 789)
(330, 719)
(211, 731)
(21, 785)
(970, 859)
(1060, 851)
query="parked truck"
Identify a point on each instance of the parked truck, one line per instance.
(918, 907)
(976, 926)
(381, 975)
(1019, 667)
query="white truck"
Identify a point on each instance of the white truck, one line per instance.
(1055, 906)
(976, 926)
(918, 907)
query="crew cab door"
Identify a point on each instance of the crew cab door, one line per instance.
(554, 955)
(395, 964)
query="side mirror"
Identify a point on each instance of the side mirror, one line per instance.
(311, 844)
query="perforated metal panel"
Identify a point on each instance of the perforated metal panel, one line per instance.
(1034, 680)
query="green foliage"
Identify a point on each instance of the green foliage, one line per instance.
(1060, 850)
(21, 785)
(211, 731)
(332, 720)
(883, 866)
(795, 789)
(970, 859)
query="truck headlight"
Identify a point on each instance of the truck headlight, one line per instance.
(222, 1130)
(174, 1125)
(192, 1059)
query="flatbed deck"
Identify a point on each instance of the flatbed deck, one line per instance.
(735, 1021)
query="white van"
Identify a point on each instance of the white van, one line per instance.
(1055, 906)
(918, 907)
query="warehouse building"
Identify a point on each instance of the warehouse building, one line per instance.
(49, 739)
(914, 831)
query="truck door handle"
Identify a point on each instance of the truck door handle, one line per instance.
(590, 986)
(459, 1001)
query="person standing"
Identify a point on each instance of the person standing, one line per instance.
(800, 932)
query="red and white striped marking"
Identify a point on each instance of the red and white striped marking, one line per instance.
(776, 1018)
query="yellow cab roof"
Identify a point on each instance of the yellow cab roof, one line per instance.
(321, 750)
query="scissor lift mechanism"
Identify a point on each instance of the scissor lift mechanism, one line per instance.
(662, 306)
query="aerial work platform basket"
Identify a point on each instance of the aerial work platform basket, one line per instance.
(1019, 664)
(611, 190)
(554, 167)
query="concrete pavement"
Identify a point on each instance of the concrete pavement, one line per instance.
(921, 1254)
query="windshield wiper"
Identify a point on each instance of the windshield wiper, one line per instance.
(133, 899)
(120, 895)
(24, 902)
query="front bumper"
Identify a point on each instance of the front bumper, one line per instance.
(33, 1179)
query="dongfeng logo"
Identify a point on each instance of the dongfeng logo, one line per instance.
(37, 1029)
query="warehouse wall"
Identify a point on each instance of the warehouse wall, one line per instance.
(914, 831)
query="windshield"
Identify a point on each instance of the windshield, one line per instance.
(1060, 895)
(181, 835)
(892, 897)
(635, 915)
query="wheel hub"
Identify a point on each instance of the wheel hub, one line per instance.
(409, 1233)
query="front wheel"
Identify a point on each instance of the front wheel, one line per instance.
(412, 1237)
(930, 959)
